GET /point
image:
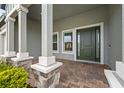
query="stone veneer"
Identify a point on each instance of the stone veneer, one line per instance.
(46, 80)
(6, 59)
(23, 63)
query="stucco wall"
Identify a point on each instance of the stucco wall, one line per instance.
(115, 34)
(87, 18)
(33, 37)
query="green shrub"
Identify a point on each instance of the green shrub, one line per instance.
(12, 77)
(5, 66)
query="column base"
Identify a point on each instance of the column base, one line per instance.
(46, 77)
(47, 61)
(9, 54)
(23, 55)
(22, 62)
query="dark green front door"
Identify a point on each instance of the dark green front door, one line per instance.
(87, 44)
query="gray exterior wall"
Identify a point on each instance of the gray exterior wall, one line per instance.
(87, 18)
(115, 34)
(33, 37)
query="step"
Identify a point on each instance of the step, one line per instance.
(112, 80)
(120, 69)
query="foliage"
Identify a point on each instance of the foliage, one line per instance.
(12, 77)
(5, 66)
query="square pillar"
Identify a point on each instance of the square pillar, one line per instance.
(47, 72)
(22, 58)
(22, 33)
(47, 57)
(9, 52)
(1, 44)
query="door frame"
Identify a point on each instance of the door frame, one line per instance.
(101, 24)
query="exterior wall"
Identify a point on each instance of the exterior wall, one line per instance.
(115, 34)
(33, 37)
(90, 17)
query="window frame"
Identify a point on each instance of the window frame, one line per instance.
(67, 31)
(56, 51)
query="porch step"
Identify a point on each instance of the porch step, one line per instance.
(120, 69)
(113, 80)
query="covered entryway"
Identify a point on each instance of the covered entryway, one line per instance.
(88, 44)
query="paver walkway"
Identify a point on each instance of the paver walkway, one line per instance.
(82, 75)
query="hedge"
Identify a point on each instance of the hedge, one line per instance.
(12, 77)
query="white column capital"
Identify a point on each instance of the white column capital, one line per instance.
(22, 8)
(10, 19)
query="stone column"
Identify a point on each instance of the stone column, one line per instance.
(46, 72)
(10, 37)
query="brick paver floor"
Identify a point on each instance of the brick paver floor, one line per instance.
(81, 75)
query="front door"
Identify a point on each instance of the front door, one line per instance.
(88, 44)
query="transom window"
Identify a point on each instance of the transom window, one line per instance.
(68, 41)
(55, 42)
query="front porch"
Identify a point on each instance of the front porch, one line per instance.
(49, 33)
(75, 74)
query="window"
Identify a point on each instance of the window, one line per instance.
(67, 41)
(55, 42)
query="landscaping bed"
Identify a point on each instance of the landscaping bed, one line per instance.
(12, 77)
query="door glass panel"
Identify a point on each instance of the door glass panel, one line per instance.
(78, 44)
(97, 43)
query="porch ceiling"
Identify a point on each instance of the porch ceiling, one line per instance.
(61, 11)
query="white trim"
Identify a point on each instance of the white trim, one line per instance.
(68, 52)
(88, 61)
(17, 8)
(112, 80)
(21, 59)
(10, 18)
(46, 69)
(47, 61)
(21, 8)
(12, 11)
(3, 27)
(56, 33)
(101, 40)
(74, 30)
(3, 30)
(2, 17)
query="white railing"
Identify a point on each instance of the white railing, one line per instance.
(9, 7)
